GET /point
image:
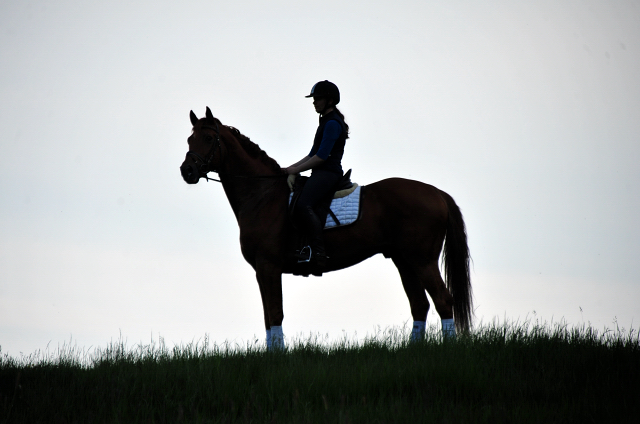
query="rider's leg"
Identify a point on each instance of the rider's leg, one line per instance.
(318, 187)
(313, 228)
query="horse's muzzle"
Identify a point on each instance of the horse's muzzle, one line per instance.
(190, 173)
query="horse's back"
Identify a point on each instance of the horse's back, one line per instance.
(400, 196)
(404, 217)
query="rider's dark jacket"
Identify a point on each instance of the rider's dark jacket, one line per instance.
(333, 162)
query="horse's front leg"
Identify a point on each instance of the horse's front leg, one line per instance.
(269, 278)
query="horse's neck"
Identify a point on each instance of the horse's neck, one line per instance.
(239, 162)
(250, 198)
(244, 182)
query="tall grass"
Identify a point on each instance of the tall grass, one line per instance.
(510, 372)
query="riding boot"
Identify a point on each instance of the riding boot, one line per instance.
(313, 227)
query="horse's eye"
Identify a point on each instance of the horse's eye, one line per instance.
(208, 138)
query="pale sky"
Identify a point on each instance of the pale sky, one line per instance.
(527, 113)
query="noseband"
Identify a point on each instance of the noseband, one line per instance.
(204, 164)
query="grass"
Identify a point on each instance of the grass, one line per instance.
(517, 372)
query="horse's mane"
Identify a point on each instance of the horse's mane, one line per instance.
(253, 149)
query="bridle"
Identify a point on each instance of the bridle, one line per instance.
(204, 164)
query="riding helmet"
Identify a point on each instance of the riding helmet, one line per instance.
(325, 89)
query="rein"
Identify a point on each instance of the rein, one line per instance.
(205, 164)
(245, 176)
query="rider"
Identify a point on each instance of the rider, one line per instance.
(324, 160)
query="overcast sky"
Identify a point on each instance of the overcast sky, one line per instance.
(527, 113)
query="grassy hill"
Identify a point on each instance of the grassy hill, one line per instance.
(497, 373)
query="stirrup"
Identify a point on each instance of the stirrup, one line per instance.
(304, 255)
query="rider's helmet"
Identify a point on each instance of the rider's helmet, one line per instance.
(326, 89)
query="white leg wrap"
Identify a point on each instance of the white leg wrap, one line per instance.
(417, 333)
(448, 329)
(268, 339)
(277, 338)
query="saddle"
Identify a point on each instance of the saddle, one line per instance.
(343, 188)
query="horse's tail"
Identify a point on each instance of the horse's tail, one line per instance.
(455, 258)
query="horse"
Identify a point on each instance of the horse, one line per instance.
(408, 221)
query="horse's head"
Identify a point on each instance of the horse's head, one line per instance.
(204, 148)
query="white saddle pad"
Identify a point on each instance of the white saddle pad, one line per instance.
(345, 208)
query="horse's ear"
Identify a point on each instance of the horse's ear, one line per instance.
(209, 115)
(194, 118)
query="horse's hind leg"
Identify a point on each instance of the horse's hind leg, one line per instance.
(418, 277)
(434, 285)
(441, 296)
(416, 294)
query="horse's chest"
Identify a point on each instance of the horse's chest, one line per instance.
(261, 240)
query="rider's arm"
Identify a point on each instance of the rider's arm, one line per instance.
(301, 161)
(308, 162)
(332, 130)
